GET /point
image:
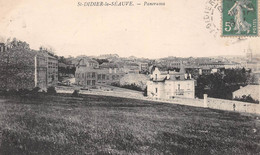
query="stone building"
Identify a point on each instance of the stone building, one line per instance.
(89, 74)
(170, 84)
(143, 67)
(52, 68)
(131, 68)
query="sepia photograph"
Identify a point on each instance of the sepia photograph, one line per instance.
(177, 77)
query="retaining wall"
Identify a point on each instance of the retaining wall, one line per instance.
(233, 105)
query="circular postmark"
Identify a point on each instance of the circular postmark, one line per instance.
(212, 16)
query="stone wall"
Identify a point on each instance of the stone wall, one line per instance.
(233, 105)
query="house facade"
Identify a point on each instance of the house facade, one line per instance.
(170, 84)
(91, 75)
(143, 67)
(52, 70)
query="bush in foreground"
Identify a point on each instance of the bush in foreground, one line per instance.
(75, 93)
(51, 91)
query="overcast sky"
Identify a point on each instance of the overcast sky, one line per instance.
(176, 29)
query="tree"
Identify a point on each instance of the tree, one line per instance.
(246, 98)
(221, 86)
(101, 61)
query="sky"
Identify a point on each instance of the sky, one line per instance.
(176, 29)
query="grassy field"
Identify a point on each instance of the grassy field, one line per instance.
(110, 125)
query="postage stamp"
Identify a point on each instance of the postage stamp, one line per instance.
(240, 18)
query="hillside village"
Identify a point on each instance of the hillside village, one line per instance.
(108, 104)
(224, 77)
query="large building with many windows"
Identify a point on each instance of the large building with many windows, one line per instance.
(52, 68)
(89, 74)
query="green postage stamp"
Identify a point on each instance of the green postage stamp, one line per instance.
(240, 18)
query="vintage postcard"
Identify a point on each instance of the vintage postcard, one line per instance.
(129, 77)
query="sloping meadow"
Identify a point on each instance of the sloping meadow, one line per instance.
(108, 125)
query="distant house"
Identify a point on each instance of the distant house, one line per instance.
(252, 90)
(143, 67)
(170, 84)
(3, 47)
(232, 65)
(211, 67)
(87, 62)
(254, 65)
(110, 65)
(175, 64)
(89, 74)
(212, 64)
(131, 67)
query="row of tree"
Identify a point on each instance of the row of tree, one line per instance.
(220, 85)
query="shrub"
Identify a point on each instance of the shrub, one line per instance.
(3, 92)
(23, 92)
(51, 91)
(35, 90)
(75, 93)
(145, 91)
(246, 98)
(132, 87)
(116, 84)
(12, 92)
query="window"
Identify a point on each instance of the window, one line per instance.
(93, 75)
(179, 86)
(156, 90)
(93, 82)
(99, 76)
(88, 82)
(103, 76)
(88, 75)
